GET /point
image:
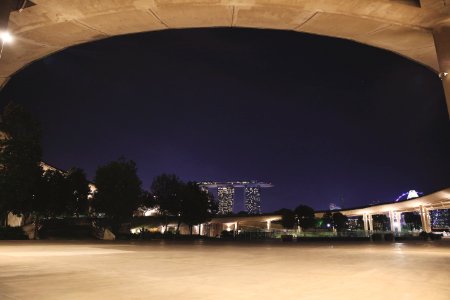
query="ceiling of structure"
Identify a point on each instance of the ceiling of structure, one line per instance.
(401, 26)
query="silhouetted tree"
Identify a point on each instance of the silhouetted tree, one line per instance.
(194, 205)
(118, 191)
(360, 223)
(166, 188)
(412, 219)
(340, 221)
(148, 200)
(287, 218)
(327, 219)
(52, 196)
(305, 216)
(380, 222)
(78, 202)
(20, 157)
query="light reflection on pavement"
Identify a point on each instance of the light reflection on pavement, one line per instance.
(223, 270)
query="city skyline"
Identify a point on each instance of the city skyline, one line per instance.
(321, 118)
(247, 149)
(226, 196)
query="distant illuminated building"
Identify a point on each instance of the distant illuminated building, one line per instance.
(204, 188)
(225, 191)
(412, 194)
(334, 207)
(409, 195)
(253, 200)
(144, 211)
(226, 199)
(355, 223)
(440, 218)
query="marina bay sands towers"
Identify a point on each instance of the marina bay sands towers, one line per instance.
(226, 192)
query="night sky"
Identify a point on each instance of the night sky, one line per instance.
(325, 120)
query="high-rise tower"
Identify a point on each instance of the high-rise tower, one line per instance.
(225, 192)
(226, 199)
(253, 199)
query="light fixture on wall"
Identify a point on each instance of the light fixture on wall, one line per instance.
(442, 75)
(6, 37)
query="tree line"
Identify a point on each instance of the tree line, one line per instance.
(25, 187)
(29, 190)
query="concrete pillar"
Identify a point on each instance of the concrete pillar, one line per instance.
(421, 213)
(441, 35)
(365, 221)
(268, 224)
(425, 219)
(370, 220)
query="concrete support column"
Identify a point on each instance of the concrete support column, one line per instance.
(441, 35)
(422, 214)
(370, 220)
(425, 219)
(365, 221)
(269, 224)
(428, 220)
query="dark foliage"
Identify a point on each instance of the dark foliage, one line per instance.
(305, 216)
(327, 219)
(20, 157)
(380, 222)
(288, 220)
(340, 221)
(52, 195)
(12, 233)
(194, 205)
(412, 219)
(118, 190)
(78, 203)
(166, 189)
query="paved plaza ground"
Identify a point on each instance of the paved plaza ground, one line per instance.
(223, 270)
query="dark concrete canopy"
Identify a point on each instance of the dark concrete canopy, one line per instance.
(418, 30)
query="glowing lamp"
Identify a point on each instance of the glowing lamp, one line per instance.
(6, 37)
